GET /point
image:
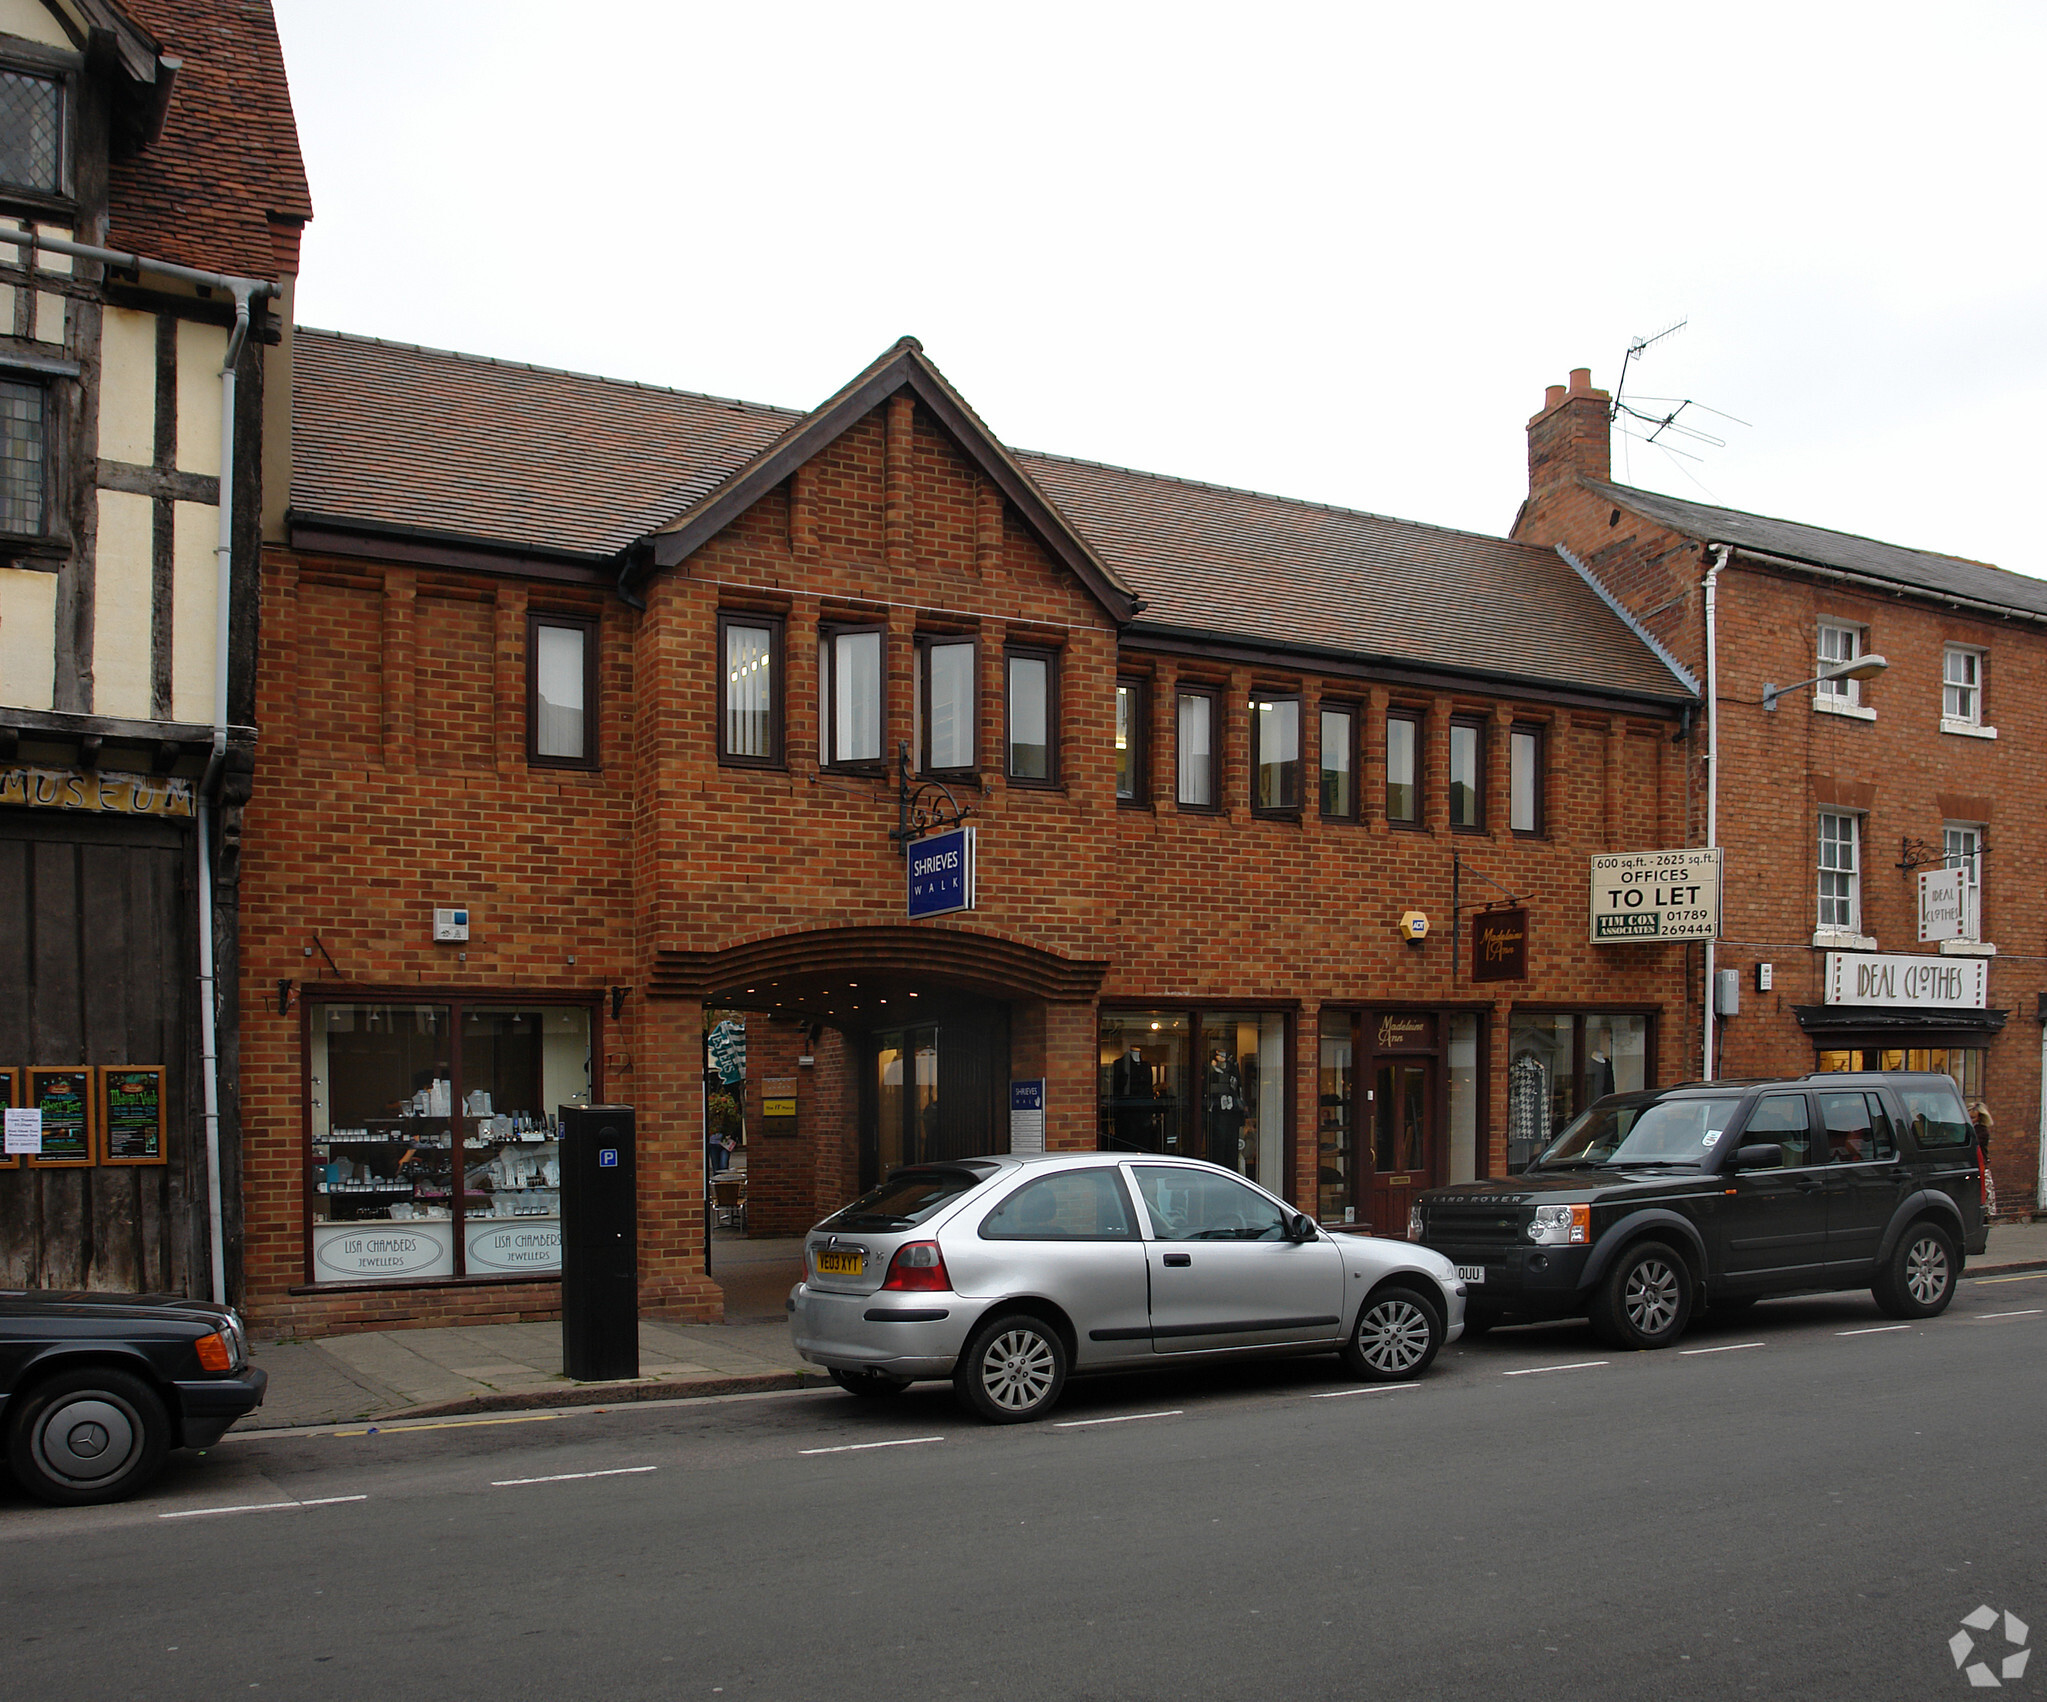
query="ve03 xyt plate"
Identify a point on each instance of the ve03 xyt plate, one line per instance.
(835, 1262)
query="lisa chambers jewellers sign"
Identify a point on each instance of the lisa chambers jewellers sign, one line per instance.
(1925, 983)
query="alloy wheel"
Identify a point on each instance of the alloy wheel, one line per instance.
(1926, 1271)
(1393, 1336)
(1650, 1297)
(1018, 1369)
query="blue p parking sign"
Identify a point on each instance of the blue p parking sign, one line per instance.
(607, 1158)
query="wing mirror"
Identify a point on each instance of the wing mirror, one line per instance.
(1764, 1155)
(1304, 1228)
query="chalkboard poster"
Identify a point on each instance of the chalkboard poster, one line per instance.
(131, 1114)
(10, 1096)
(65, 1099)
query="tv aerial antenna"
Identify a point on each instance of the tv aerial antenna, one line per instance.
(1668, 424)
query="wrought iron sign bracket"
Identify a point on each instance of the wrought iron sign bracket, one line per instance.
(922, 807)
(1924, 854)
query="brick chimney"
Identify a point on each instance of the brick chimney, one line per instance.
(1570, 438)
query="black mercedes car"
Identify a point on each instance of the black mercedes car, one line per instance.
(95, 1389)
(1720, 1193)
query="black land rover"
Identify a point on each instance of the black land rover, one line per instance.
(1650, 1205)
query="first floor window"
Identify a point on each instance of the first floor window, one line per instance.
(1276, 753)
(750, 714)
(945, 704)
(31, 134)
(1403, 770)
(561, 691)
(849, 677)
(1961, 677)
(1032, 712)
(1524, 779)
(1838, 644)
(1467, 774)
(1197, 750)
(1339, 795)
(1131, 699)
(1964, 850)
(1840, 883)
(23, 456)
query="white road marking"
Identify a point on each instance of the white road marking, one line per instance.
(1575, 1365)
(263, 1507)
(1874, 1330)
(2031, 1312)
(857, 1447)
(1731, 1347)
(1375, 1389)
(1125, 1418)
(571, 1477)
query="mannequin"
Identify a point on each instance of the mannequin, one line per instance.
(1222, 1109)
(1130, 1090)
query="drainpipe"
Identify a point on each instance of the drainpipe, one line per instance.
(1712, 583)
(244, 291)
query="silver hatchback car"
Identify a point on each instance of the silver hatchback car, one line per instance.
(1006, 1274)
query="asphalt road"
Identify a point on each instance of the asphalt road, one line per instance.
(1803, 1503)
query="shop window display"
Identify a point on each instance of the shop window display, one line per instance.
(1336, 1097)
(1557, 1064)
(1143, 1082)
(431, 1158)
(1227, 1105)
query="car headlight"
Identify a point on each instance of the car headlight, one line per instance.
(1561, 1226)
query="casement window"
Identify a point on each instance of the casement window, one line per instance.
(561, 691)
(1031, 692)
(750, 690)
(1196, 766)
(1339, 760)
(24, 458)
(1840, 872)
(1467, 774)
(1403, 769)
(31, 135)
(1275, 753)
(946, 696)
(1837, 644)
(1524, 780)
(1961, 686)
(1133, 721)
(1963, 844)
(850, 676)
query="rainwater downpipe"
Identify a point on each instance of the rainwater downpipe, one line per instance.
(245, 291)
(1712, 584)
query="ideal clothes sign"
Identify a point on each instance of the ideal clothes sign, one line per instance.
(1943, 905)
(1656, 895)
(941, 874)
(1923, 983)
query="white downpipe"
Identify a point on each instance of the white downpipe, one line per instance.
(1720, 555)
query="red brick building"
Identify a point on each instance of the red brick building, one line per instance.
(642, 685)
(1835, 800)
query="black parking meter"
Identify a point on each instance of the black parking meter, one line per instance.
(600, 1264)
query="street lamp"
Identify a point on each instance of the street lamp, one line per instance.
(1860, 668)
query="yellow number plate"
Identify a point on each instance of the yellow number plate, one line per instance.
(838, 1264)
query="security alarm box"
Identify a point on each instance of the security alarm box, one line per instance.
(451, 925)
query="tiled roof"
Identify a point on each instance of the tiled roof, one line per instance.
(1922, 570)
(392, 436)
(224, 187)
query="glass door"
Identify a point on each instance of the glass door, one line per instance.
(1403, 1139)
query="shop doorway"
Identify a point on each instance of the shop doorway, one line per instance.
(1404, 1143)
(935, 1089)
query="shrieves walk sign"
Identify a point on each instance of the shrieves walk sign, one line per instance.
(1656, 895)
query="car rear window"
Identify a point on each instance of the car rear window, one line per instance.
(1934, 1116)
(905, 1199)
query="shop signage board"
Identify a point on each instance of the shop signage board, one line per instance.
(1918, 983)
(778, 1105)
(373, 1249)
(107, 792)
(1027, 1116)
(499, 1246)
(1943, 904)
(941, 873)
(1399, 1031)
(1499, 945)
(131, 1114)
(65, 1099)
(30, 1129)
(1656, 895)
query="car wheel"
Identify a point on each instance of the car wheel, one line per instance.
(1646, 1299)
(870, 1383)
(1918, 1279)
(1013, 1369)
(1397, 1334)
(87, 1437)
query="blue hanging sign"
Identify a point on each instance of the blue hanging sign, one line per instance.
(942, 873)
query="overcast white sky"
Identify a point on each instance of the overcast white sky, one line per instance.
(1330, 251)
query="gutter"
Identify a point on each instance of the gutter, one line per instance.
(1892, 588)
(245, 291)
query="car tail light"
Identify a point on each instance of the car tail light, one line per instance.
(214, 1353)
(918, 1267)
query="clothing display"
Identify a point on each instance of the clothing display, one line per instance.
(1527, 1110)
(1222, 1110)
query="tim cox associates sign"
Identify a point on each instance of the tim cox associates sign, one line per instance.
(942, 873)
(1656, 895)
(1923, 983)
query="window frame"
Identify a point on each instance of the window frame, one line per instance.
(1351, 753)
(589, 626)
(1286, 809)
(1538, 781)
(775, 626)
(1213, 697)
(1139, 745)
(1050, 656)
(1476, 726)
(1417, 820)
(924, 644)
(1845, 692)
(1853, 925)
(1974, 686)
(828, 635)
(1972, 870)
(61, 68)
(47, 533)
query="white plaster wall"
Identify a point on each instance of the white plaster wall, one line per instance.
(31, 20)
(50, 308)
(28, 639)
(194, 532)
(201, 349)
(120, 615)
(128, 386)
